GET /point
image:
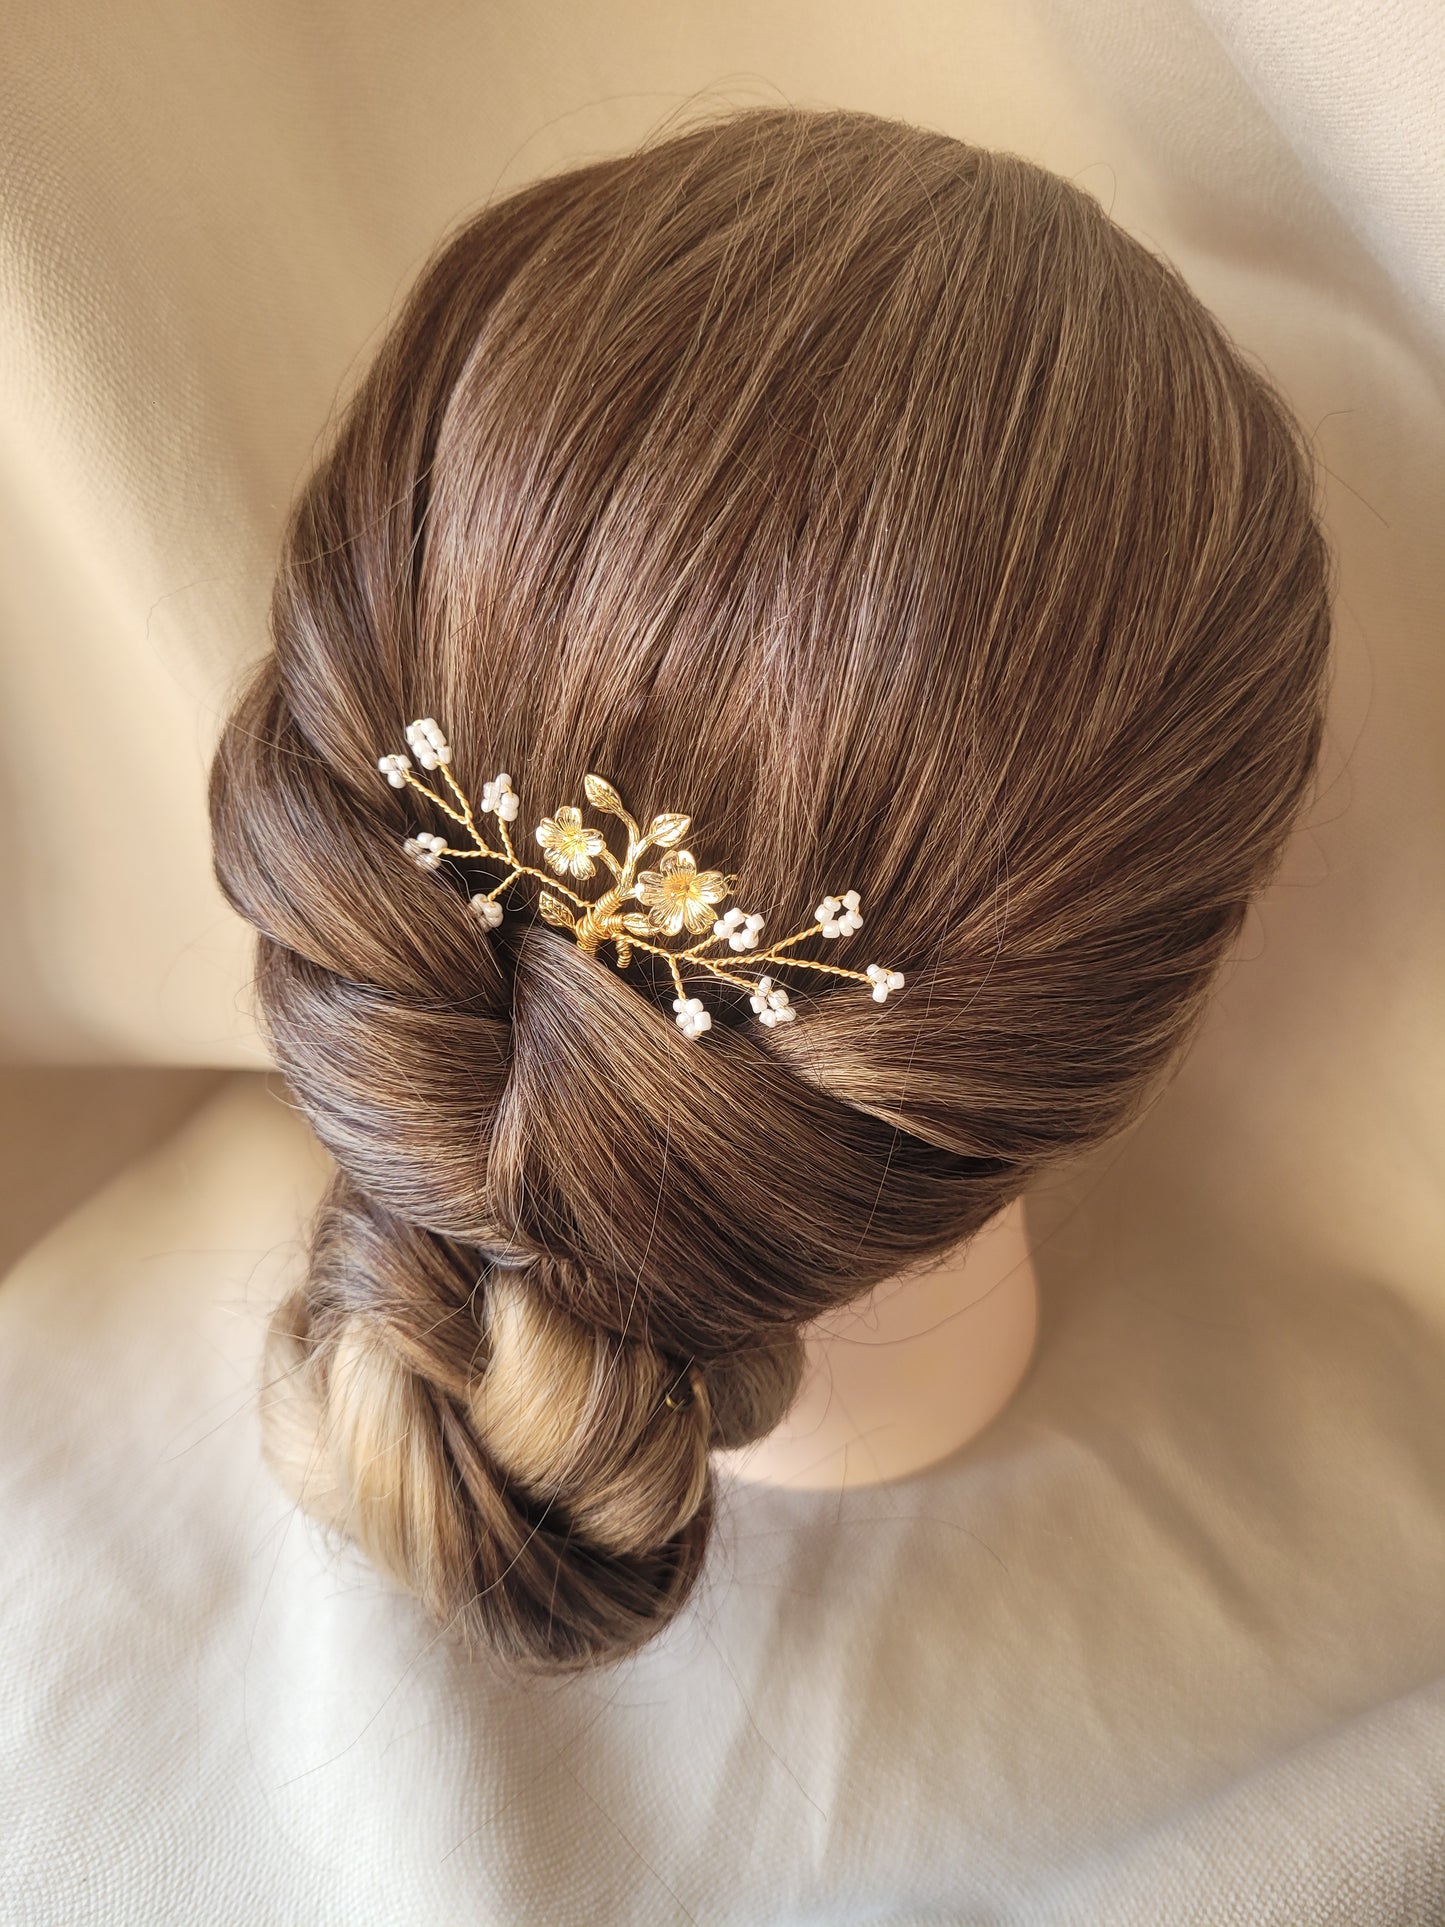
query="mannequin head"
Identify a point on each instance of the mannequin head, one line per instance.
(876, 500)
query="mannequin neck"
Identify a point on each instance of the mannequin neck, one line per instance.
(905, 1377)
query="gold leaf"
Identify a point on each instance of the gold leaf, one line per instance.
(667, 829)
(602, 796)
(640, 926)
(555, 911)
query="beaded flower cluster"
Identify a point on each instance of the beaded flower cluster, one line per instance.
(675, 897)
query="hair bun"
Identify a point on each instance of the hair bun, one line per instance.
(520, 1472)
(580, 1418)
(743, 1393)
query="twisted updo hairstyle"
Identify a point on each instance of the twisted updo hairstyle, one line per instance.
(875, 499)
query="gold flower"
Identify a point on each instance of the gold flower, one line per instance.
(568, 845)
(678, 893)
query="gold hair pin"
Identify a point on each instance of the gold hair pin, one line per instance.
(675, 897)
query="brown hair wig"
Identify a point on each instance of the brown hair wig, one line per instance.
(876, 499)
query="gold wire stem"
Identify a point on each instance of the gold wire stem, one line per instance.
(545, 876)
(797, 937)
(798, 963)
(743, 983)
(522, 870)
(833, 970)
(481, 848)
(506, 837)
(675, 957)
(694, 951)
(694, 955)
(460, 794)
(415, 782)
(476, 850)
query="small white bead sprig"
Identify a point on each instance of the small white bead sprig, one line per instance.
(771, 1003)
(884, 981)
(427, 744)
(834, 924)
(499, 795)
(676, 896)
(486, 911)
(741, 931)
(426, 851)
(691, 1016)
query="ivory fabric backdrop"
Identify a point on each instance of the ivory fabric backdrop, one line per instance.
(1167, 1643)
